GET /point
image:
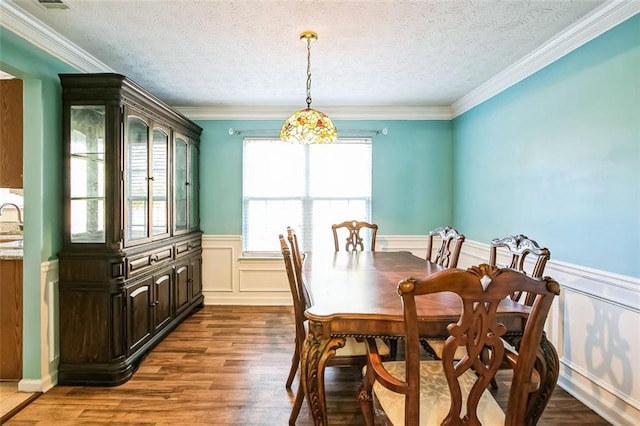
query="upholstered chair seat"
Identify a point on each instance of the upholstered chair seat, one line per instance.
(435, 399)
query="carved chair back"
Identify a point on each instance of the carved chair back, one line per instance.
(354, 240)
(448, 253)
(520, 247)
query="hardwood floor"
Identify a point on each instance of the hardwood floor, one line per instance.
(227, 365)
(12, 401)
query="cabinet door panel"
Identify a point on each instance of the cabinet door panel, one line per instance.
(162, 303)
(137, 179)
(139, 300)
(180, 179)
(11, 325)
(182, 287)
(87, 182)
(196, 277)
(194, 187)
(11, 126)
(160, 183)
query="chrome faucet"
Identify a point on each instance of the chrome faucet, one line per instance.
(17, 208)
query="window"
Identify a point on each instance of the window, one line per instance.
(307, 187)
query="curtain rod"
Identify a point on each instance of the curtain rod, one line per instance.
(262, 131)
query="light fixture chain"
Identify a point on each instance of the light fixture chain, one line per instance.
(308, 73)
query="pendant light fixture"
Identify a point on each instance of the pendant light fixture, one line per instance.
(308, 125)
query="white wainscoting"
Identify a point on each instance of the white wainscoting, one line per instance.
(49, 339)
(595, 327)
(230, 279)
(594, 324)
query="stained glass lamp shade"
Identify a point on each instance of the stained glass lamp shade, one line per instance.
(308, 125)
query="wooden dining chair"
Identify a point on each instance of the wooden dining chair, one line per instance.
(353, 353)
(354, 240)
(414, 392)
(447, 255)
(448, 252)
(298, 257)
(520, 248)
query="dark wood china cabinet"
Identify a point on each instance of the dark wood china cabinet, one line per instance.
(130, 266)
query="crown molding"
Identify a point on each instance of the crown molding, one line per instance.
(336, 113)
(597, 22)
(39, 34)
(591, 26)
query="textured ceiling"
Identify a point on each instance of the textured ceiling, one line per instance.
(369, 53)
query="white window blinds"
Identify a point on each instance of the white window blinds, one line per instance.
(307, 187)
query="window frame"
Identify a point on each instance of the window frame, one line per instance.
(305, 232)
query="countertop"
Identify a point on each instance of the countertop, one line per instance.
(10, 237)
(11, 250)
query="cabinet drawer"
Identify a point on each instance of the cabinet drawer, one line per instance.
(140, 263)
(186, 247)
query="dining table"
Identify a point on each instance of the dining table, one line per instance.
(354, 294)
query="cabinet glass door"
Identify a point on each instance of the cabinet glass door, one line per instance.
(194, 187)
(136, 181)
(181, 184)
(86, 174)
(159, 168)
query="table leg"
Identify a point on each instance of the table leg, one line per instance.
(316, 352)
(548, 366)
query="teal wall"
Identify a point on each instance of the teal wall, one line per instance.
(41, 176)
(557, 157)
(43, 132)
(412, 174)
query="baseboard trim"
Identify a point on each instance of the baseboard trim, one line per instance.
(247, 299)
(593, 397)
(31, 385)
